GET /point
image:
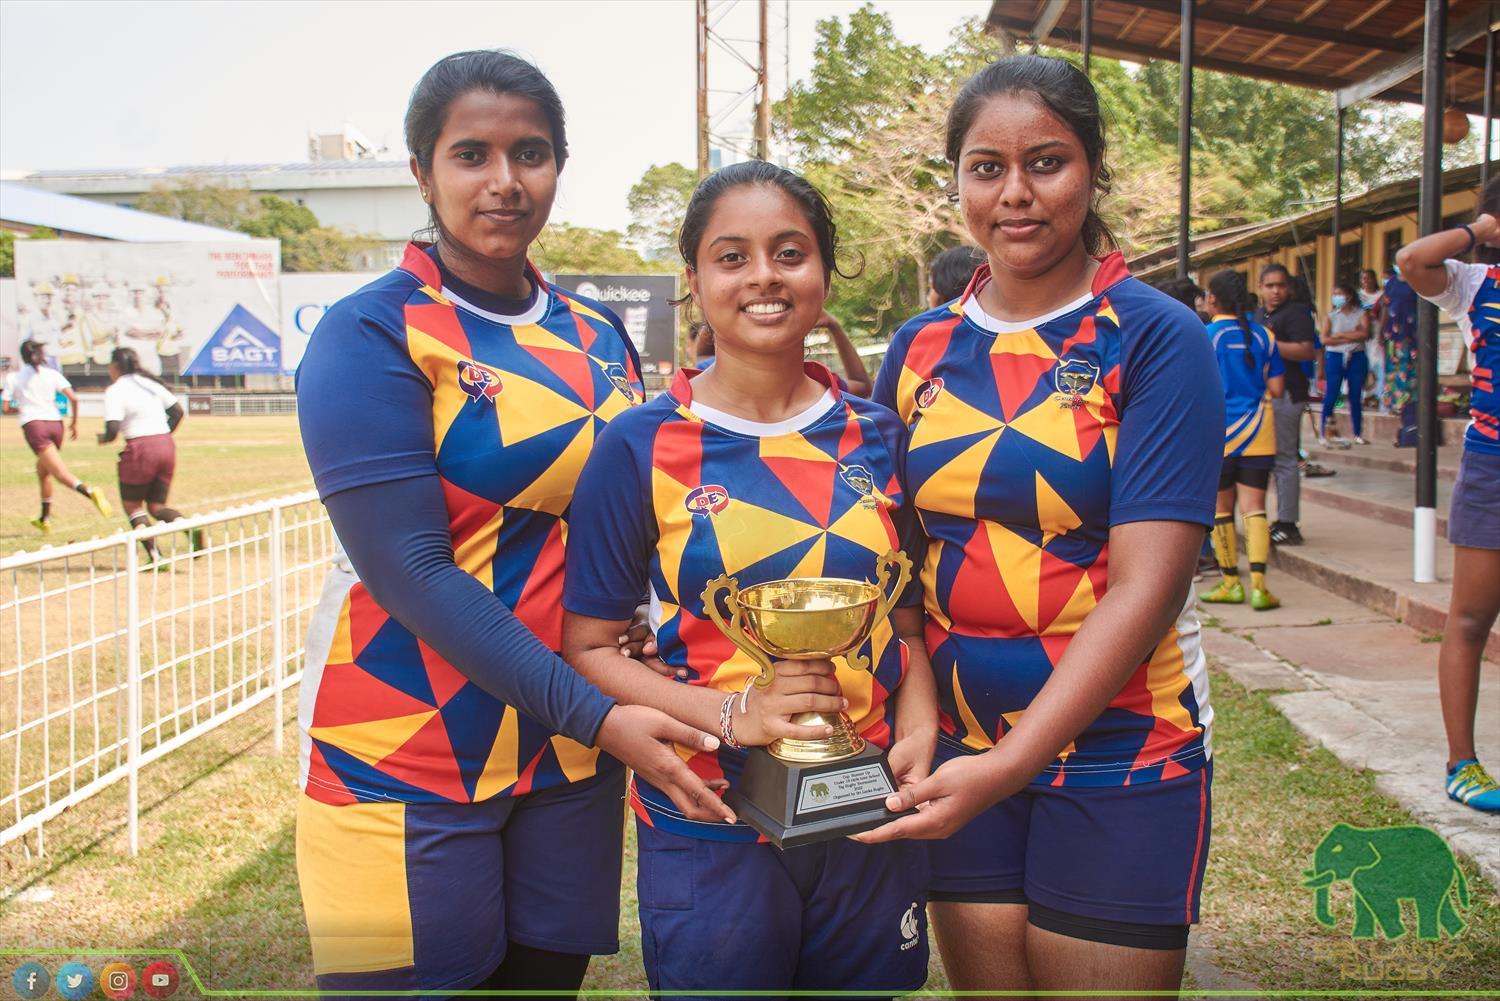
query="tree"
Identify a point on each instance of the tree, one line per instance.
(657, 203)
(305, 244)
(580, 250)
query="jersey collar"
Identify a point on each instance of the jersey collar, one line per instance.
(418, 263)
(682, 391)
(1112, 271)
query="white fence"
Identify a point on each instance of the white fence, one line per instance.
(113, 661)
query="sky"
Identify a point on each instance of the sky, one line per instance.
(129, 84)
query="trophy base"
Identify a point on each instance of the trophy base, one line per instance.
(794, 803)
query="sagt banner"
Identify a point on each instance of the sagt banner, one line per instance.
(185, 308)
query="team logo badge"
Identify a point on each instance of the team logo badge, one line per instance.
(859, 478)
(616, 374)
(478, 382)
(707, 499)
(1074, 379)
(928, 392)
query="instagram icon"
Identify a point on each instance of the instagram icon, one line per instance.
(117, 981)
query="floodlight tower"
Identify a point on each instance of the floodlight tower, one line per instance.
(713, 126)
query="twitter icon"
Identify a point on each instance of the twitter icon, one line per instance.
(74, 981)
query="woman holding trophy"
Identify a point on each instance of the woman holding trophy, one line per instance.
(759, 477)
(1066, 438)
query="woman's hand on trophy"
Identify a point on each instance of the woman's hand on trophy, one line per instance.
(946, 800)
(799, 686)
(910, 757)
(643, 738)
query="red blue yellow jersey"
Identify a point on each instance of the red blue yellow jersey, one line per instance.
(1472, 299)
(1248, 426)
(516, 402)
(676, 494)
(1029, 441)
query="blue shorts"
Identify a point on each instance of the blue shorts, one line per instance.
(407, 896)
(1474, 517)
(836, 915)
(1102, 856)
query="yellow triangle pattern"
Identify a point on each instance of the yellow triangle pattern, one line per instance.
(811, 564)
(1022, 342)
(1049, 425)
(1165, 680)
(500, 769)
(526, 409)
(575, 760)
(1020, 565)
(534, 335)
(864, 526)
(476, 554)
(674, 525)
(1053, 513)
(1070, 619)
(748, 534)
(439, 363)
(952, 491)
(376, 740)
(552, 491)
(974, 734)
(950, 418)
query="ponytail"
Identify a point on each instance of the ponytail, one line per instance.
(129, 363)
(1229, 291)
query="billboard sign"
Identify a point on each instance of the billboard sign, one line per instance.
(644, 305)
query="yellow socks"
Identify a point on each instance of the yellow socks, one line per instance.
(1225, 545)
(1257, 547)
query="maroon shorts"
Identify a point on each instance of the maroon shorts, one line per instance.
(146, 468)
(40, 434)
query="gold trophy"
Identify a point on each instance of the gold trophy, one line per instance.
(797, 792)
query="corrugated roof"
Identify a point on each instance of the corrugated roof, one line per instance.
(224, 170)
(66, 214)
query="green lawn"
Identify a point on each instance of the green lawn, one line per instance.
(221, 461)
(216, 875)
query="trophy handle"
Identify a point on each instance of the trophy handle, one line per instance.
(734, 629)
(898, 560)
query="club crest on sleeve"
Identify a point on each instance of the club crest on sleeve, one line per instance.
(477, 381)
(860, 480)
(615, 372)
(708, 499)
(1074, 379)
(928, 392)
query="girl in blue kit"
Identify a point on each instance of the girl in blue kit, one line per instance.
(761, 468)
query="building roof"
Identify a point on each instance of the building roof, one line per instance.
(1357, 48)
(1227, 246)
(65, 214)
(257, 176)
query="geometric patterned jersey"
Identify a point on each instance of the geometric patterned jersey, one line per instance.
(670, 500)
(1028, 442)
(1483, 434)
(1248, 428)
(515, 410)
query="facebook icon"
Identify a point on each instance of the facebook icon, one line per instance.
(31, 980)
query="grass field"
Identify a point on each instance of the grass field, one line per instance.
(216, 877)
(220, 461)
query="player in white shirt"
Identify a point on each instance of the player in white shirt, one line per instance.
(31, 392)
(142, 410)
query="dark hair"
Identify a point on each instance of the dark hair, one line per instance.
(1184, 290)
(1373, 276)
(1269, 268)
(33, 353)
(1489, 204)
(752, 172)
(953, 269)
(1231, 295)
(1349, 291)
(701, 336)
(1067, 93)
(494, 70)
(129, 363)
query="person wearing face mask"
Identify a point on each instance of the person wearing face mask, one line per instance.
(1345, 331)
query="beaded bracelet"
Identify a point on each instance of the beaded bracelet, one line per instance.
(726, 723)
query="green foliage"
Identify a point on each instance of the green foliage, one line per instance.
(580, 250)
(657, 203)
(8, 248)
(305, 245)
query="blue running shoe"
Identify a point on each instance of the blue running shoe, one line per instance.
(1471, 785)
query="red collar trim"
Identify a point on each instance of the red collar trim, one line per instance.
(1112, 271)
(682, 391)
(420, 265)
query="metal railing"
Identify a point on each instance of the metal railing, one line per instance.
(110, 660)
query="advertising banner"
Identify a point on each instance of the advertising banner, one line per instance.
(305, 297)
(644, 304)
(186, 308)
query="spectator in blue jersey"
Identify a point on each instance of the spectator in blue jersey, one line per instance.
(1470, 295)
(951, 272)
(761, 468)
(1291, 323)
(1067, 436)
(459, 826)
(1251, 371)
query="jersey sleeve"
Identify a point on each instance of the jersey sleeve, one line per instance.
(611, 526)
(364, 408)
(114, 403)
(1464, 282)
(889, 377)
(1171, 437)
(60, 382)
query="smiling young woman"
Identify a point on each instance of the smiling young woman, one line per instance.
(1066, 434)
(761, 468)
(459, 827)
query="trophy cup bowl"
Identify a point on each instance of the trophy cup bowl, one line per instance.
(787, 791)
